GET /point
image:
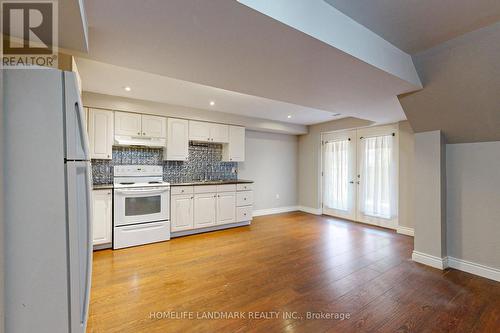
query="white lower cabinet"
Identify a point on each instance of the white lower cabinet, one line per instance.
(102, 218)
(204, 210)
(205, 206)
(243, 213)
(181, 210)
(226, 207)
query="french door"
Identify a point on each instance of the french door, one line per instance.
(339, 174)
(360, 175)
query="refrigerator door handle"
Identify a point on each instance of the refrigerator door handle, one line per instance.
(79, 210)
(83, 129)
(77, 142)
(90, 247)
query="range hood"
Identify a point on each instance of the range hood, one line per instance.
(122, 140)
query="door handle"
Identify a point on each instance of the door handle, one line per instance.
(351, 182)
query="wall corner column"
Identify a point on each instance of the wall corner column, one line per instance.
(430, 199)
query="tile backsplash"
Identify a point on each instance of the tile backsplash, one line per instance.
(204, 162)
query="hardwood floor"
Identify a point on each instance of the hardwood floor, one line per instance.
(293, 264)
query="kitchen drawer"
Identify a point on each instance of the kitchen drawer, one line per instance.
(226, 188)
(138, 234)
(205, 189)
(243, 213)
(244, 198)
(174, 190)
(244, 187)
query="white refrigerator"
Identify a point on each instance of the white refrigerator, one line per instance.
(47, 184)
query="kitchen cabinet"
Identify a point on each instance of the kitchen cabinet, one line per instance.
(154, 126)
(213, 205)
(226, 207)
(177, 140)
(219, 133)
(208, 132)
(204, 210)
(234, 151)
(86, 115)
(181, 212)
(139, 125)
(128, 124)
(101, 128)
(101, 216)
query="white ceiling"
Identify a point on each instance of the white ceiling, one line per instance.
(111, 80)
(417, 25)
(226, 45)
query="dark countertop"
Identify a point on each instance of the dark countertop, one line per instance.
(102, 187)
(213, 182)
(208, 182)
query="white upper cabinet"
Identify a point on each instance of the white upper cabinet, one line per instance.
(137, 125)
(128, 124)
(219, 133)
(154, 126)
(100, 133)
(199, 131)
(234, 151)
(177, 140)
(208, 132)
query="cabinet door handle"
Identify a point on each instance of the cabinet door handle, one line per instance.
(138, 133)
(143, 133)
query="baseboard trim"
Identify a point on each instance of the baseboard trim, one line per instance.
(310, 210)
(474, 268)
(277, 210)
(429, 260)
(405, 231)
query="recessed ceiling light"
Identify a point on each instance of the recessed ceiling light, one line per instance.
(289, 116)
(127, 88)
(212, 103)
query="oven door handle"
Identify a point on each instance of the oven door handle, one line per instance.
(148, 191)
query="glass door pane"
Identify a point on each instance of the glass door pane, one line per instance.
(377, 176)
(339, 165)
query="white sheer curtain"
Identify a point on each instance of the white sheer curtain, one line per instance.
(378, 177)
(336, 175)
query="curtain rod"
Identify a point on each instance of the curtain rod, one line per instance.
(375, 136)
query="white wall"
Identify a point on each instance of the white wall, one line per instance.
(406, 175)
(473, 208)
(271, 162)
(430, 195)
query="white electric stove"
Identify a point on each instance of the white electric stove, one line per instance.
(141, 205)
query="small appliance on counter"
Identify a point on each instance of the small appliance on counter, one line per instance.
(141, 205)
